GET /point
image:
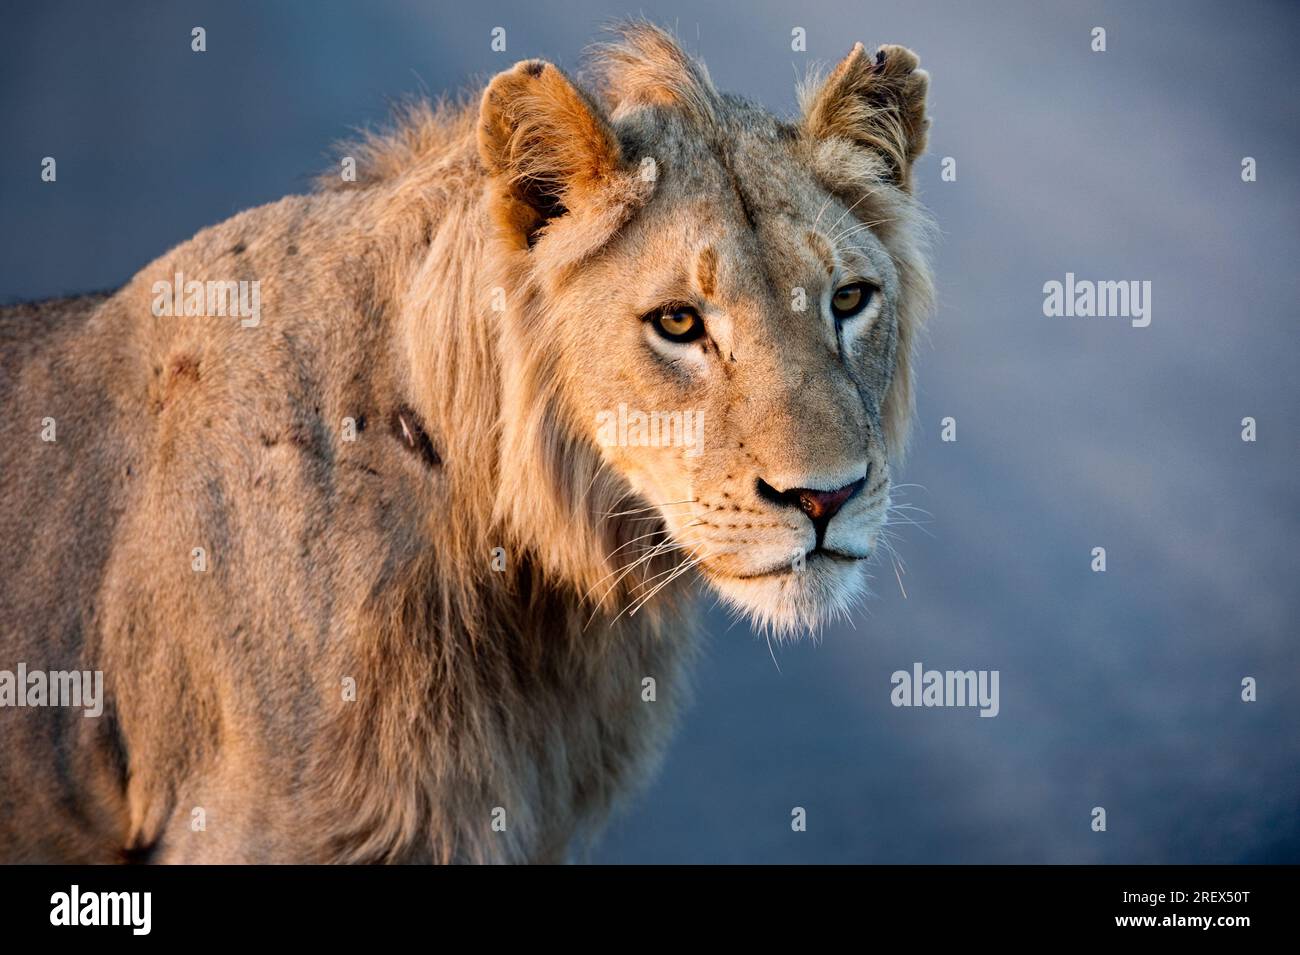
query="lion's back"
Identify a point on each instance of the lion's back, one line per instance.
(57, 518)
(56, 442)
(180, 507)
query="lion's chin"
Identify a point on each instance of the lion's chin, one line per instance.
(790, 603)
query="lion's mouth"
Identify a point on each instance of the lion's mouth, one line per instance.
(785, 568)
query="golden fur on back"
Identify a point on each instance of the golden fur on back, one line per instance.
(395, 480)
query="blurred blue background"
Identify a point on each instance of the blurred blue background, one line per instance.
(1119, 689)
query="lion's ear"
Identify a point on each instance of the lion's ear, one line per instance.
(876, 104)
(547, 147)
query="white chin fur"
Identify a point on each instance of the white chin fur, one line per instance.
(795, 603)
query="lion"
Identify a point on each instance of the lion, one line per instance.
(392, 571)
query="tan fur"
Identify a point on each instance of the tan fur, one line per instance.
(371, 560)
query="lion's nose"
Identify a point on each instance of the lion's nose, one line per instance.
(820, 506)
(823, 505)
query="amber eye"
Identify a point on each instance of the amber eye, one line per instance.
(678, 323)
(851, 299)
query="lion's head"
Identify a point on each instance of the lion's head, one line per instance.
(706, 320)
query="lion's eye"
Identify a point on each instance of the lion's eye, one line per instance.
(851, 299)
(679, 323)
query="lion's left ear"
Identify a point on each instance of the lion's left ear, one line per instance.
(551, 154)
(873, 106)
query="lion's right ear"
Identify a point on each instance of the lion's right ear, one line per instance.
(551, 154)
(867, 118)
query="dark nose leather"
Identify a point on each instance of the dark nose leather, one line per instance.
(820, 506)
(823, 505)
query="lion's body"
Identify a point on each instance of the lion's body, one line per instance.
(499, 706)
(327, 560)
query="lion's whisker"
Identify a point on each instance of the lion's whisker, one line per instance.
(836, 223)
(682, 568)
(661, 548)
(650, 507)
